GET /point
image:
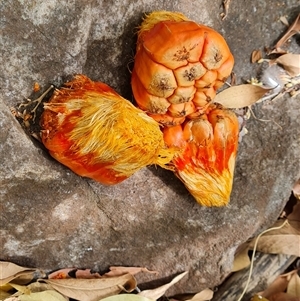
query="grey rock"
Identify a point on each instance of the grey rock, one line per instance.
(52, 218)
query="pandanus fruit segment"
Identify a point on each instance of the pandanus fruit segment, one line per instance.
(98, 134)
(206, 165)
(179, 65)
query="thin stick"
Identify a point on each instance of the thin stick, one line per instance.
(253, 255)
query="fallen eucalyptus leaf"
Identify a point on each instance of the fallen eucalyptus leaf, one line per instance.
(204, 295)
(126, 297)
(256, 55)
(93, 289)
(160, 291)
(36, 287)
(276, 290)
(241, 258)
(240, 96)
(119, 270)
(285, 240)
(10, 271)
(293, 287)
(277, 286)
(290, 62)
(284, 20)
(292, 30)
(21, 289)
(49, 295)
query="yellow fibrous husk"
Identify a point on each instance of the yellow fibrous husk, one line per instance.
(88, 126)
(158, 16)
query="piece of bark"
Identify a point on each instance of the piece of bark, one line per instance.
(265, 269)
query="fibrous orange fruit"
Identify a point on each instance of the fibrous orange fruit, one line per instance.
(98, 134)
(209, 144)
(179, 65)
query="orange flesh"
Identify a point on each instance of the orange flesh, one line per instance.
(206, 165)
(98, 134)
(176, 54)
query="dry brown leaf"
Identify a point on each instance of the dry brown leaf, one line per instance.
(240, 96)
(280, 241)
(241, 258)
(293, 287)
(126, 297)
(22, 289)
(256, 56)
(204, 295)
(93, 289)
(275, 290)
(49, 295)
(284, 20)
(36, 287)
(277, 286)
(292, 30)
(160, 291)
(290, 62)
(226, 4)
(119, 270)
(10, 271)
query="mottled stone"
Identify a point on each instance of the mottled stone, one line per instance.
(52, 218)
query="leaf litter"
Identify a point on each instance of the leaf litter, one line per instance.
(80, 284)
(281, 76)
(282, 238)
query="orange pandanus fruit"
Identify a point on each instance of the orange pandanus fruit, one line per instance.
(179, 65)
(98, 134)
(209, 144)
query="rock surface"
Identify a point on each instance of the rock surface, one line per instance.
(52, 218)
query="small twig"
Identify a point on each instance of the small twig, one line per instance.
(253, 255)
(38, 101)
(225, 4)
(263, 120)
(292, 30)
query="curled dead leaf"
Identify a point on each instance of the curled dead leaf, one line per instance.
(119, 270)
(284, 20)
(292, 30)
(160, 291)
(241, 258)
(240, 96)
(293, 287)
(290, 62)
(49, 295)
(279, 288)
(93, 289)
(284, 240)
(127, 297)
(204, 295)
(10, 271)
(256, 56)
